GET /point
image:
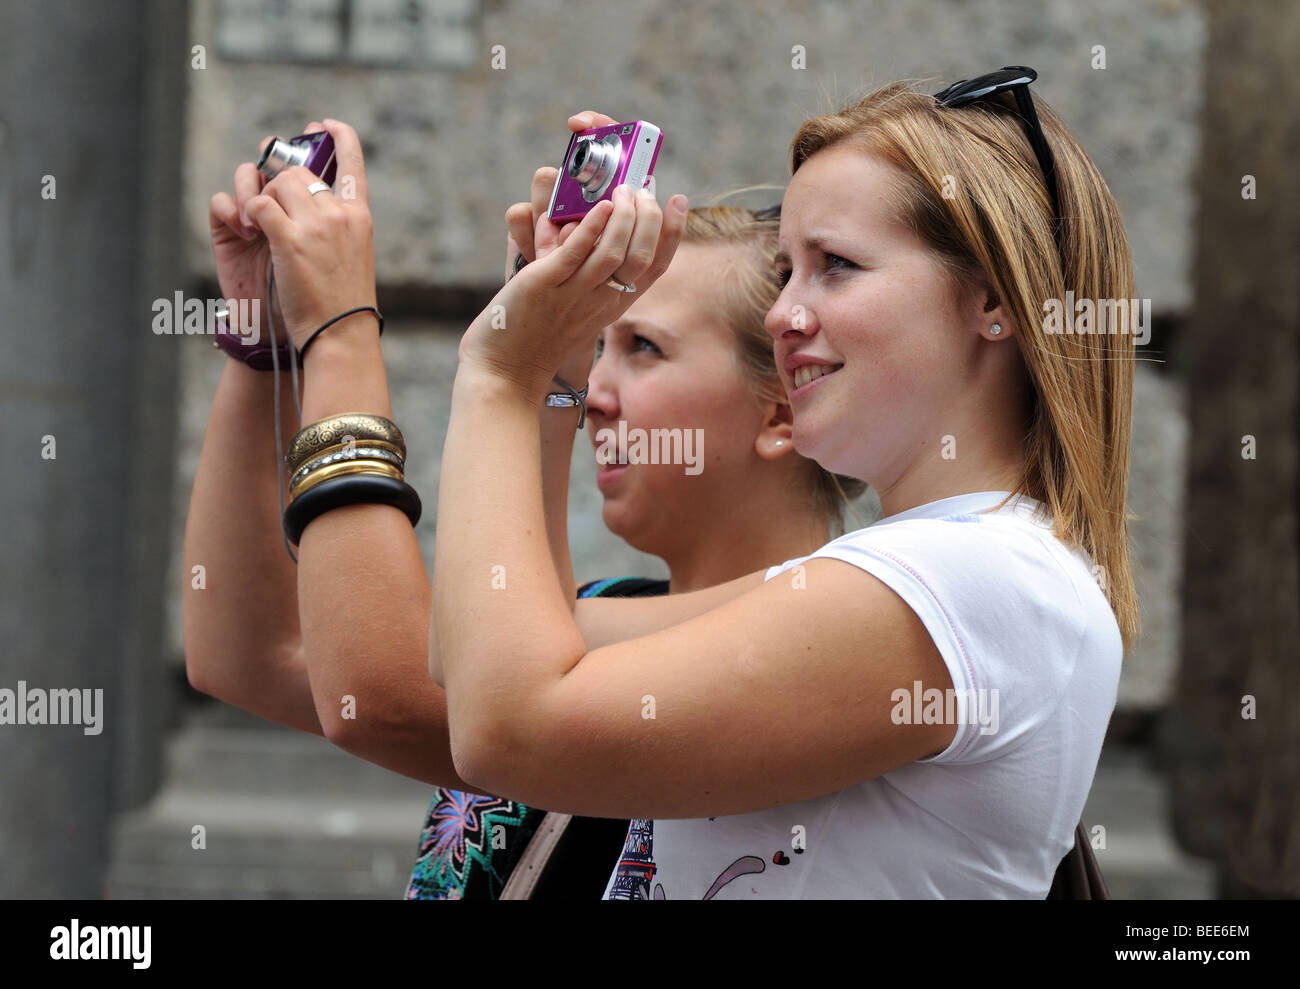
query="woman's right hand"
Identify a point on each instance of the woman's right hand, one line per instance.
(522, 220)
(241, 250)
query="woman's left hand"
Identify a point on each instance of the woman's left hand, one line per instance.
(558, 304)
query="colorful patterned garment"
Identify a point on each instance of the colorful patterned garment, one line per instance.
(470, 843)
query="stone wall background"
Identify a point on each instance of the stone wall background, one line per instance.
(449, 149)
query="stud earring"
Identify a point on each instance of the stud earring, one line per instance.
(995, 329)
(780, 442)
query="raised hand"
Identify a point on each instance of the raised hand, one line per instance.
(556, 306)
(241, 251)
(322, 246)
(527, 223)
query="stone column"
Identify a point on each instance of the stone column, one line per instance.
(1234, 731)
(89, 133)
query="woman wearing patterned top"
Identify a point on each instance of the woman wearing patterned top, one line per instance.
(691, 352)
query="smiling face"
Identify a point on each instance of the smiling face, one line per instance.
(671, 362)
(874, 348)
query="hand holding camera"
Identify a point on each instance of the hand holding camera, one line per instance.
(523, 219)
(553, 309)
(321, 246)
(242, 253)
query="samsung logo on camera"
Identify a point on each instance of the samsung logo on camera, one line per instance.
(195, 317)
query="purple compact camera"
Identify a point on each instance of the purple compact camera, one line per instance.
(315, 152)
(600, 159)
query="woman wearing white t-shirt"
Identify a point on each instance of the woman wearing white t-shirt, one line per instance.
(916, 709)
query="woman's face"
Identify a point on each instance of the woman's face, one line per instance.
(865, 300)
(671, 362)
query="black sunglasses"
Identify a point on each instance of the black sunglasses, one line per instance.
(1014, 79)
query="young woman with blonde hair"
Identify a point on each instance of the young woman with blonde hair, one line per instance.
(917, 708)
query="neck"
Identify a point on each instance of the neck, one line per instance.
(767, 532)
(990, 459)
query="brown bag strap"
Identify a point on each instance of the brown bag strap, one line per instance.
(532, 863)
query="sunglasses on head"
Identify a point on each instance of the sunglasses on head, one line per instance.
(1014, 79)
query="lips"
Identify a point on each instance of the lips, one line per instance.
(804, 368)
(607, 476)
(805, 373)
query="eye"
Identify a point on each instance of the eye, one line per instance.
(641, 343)
(836, 263)
(783, 277)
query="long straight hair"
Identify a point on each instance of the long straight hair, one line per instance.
(970, 186)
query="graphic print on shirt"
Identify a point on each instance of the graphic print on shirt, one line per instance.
(457, 855)
(636, 867)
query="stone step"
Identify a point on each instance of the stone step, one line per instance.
(285, 815)
(292, 846)
(273, 762)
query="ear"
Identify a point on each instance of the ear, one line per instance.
(776, 438)
(988, 316)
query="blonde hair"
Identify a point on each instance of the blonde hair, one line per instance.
(995, 220)
(748, 288)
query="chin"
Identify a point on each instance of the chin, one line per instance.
(620, 519)
(838, 458)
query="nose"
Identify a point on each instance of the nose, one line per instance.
(789, 316)
(602, 392)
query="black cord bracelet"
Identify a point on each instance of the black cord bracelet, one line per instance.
(302, 352)
(349, 489)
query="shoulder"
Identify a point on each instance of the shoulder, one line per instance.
(1010, 608)
(994, 561)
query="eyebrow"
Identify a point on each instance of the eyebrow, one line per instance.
(817, 242)
(635, 323)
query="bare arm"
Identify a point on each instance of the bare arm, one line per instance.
(605, 621)
(337, 645)
(363, 594)
(242, 642)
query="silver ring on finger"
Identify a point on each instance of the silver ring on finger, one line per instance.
(316, 187)
(618, 286)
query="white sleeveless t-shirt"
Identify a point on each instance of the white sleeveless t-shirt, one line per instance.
(1034, 652)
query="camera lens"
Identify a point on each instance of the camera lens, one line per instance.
(593, 165)
(279, 155)
(579, 158)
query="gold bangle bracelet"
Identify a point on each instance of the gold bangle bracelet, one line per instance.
(358, 466)
(331, 431)
(362, 449)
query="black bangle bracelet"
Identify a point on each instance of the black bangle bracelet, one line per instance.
(302, 353)
(350, 489)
